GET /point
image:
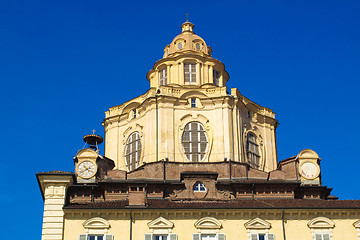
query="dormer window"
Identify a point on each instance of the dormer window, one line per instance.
(190, 72)
(199, 187)
(216, 77)
(163, 77)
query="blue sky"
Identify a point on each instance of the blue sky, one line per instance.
(64, 63)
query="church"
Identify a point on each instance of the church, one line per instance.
(192, 160)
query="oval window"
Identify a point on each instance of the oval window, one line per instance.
(180, 46)
(194, 141)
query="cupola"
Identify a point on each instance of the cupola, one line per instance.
(187, 61)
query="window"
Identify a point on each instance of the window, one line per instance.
(133, 151)
(190, 72)
(252, 151)
(216, 77)
(134, 113)
(96, 237)
(202, 236)
(194, 141)
(199, 187)
(321, 236)
(262, 236)
(193, 102)
(163, 77)
(150, 236)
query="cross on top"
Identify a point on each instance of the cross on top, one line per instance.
(93, 131)
(187, 17)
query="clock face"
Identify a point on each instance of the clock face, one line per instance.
(309, 170)
(86, 169)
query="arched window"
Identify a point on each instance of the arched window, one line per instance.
(133, 151)
(163, 77)
(194, 141)
(199, 187)
(190, 72)
(252, 151)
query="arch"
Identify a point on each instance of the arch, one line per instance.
(130, 107)
(208, 223)
(321, 222)
(257, 223)
(96, 223)
(357, 224)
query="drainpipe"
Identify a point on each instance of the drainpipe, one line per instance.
(230, 169)
(131, 224)
(157, 131)
(164, 169)
(283, 223)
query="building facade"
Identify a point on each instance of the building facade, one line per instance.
(190, 160)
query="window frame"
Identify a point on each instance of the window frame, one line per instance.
(200, 133)
(192, 71)
(266, 236)
(193, 102)
(163, 76)
(216, 77)
(253, 150)
(169, 236)
(322, 236)
(197, 187)
(86, 236)
(129, 158)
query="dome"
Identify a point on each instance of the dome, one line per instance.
(187, 42)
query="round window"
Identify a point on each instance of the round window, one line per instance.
(194, 141)
(180, 46)
(198, 46)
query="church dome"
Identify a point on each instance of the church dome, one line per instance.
(187, 42)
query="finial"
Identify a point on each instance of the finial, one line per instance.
(187, 17)
(93, 131)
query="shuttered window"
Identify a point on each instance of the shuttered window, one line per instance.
(202, 236)
(190, 72)
(262, 236)
(133, 151)
(216, 77)
(163, 77)
(150, 236)
(194, 141)
(95, 237)
(322, 236)
(252, 151)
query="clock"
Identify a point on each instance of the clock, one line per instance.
(309, 170)
(86, 169)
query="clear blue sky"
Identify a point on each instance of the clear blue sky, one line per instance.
(58, 60)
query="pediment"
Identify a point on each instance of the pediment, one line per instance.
(208, 223)
(160, 222)
(321, 222)
(96, 222)
(357, 224)
(257, 223)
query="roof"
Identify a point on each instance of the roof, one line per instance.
(232, 204)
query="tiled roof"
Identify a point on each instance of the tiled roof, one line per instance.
(232, 204)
